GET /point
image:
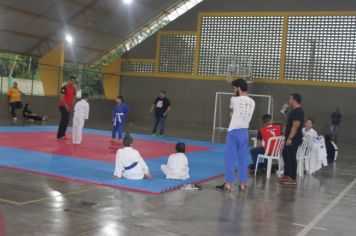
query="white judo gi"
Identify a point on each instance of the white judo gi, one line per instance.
(81, 113)
(177, 167)
(130, 164)
(309, 133)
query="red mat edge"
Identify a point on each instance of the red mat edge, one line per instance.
(102, 184)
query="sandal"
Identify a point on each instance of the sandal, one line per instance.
(223, 188)
(242, 187)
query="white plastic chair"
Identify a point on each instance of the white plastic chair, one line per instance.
(336, 150)
(303, 153)
(273, 152)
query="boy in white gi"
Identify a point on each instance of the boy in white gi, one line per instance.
(81, 113)
(177, 165)
(129, 163)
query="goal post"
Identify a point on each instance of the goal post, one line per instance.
(221, 120)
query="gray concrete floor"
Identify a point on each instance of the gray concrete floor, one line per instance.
(323, 204)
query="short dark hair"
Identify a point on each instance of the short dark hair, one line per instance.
(121, 98)
(297, 97)
(85, 95)
(72, 77)
(163, 91)
(240, 83)
(127, 140)
(266, 118)
(180, 147)
(311, 119)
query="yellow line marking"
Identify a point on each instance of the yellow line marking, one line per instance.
(10, 202)
(50, 197)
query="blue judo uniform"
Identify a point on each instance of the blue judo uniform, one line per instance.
(119, 115)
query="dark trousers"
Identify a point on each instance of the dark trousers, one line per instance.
(290, 159)
(33, 117)
(161, 122)
(13, 107)
(254, 154)
(62, 128)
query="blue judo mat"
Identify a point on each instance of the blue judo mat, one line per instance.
(203, 165)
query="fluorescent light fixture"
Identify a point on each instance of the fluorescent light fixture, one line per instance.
(127, 1)
(69, 38)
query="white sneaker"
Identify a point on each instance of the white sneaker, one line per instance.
(14, 119)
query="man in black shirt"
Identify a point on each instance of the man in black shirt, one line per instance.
(335, 123)
(160, 107)
(294, 138)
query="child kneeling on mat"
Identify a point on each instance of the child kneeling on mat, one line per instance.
(177, 165)
(129, 163)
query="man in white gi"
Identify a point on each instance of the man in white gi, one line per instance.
(81, 113)
(129, 163)
(177, 165)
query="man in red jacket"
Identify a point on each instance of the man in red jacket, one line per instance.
(267, 131)
(66, 104)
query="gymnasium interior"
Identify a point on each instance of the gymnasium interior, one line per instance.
(192, 50)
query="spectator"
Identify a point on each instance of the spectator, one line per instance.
(335, 123)
(267, 131)
(308, 130)
(29, 115)
(14, 95)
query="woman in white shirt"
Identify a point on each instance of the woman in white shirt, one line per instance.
(129, 163)
(308, 130)
(177, 165)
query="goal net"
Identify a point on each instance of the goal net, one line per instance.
(264, 105)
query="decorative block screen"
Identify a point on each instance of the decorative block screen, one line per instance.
(177, 53)
(136, 66)
(259, 37)
(321, 48)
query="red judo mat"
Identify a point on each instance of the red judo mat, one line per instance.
(94, 146)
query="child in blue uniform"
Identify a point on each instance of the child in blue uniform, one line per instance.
(119, 115)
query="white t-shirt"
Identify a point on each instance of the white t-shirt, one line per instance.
(309, 133)
(242, 110)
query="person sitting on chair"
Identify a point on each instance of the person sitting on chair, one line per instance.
(29, 115)
(267, 131)
(308, 130)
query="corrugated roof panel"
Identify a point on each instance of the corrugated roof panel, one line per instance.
(15, 43)
(24, 24)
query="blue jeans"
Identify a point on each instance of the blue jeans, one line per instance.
(236, 149)
(161, 121)
(254, 154)
(334, 130)
(118, 129)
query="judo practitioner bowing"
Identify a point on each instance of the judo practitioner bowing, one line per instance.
(129, 163)
(119, 115)
(81, 113)
(177, 165)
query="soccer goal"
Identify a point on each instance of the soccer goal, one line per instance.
(264, 105)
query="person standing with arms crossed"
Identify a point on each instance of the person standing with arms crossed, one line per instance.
(161, 106)
(66, 104)
(237, 140)
(294, 138)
